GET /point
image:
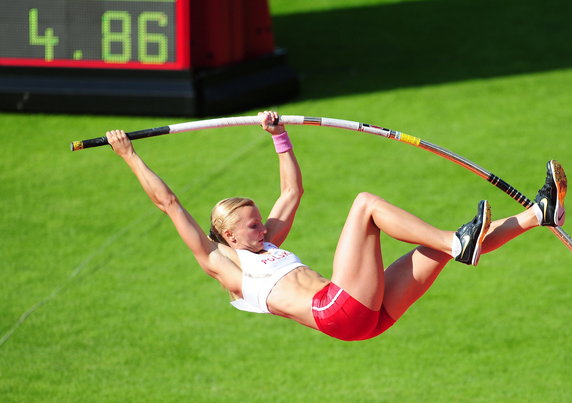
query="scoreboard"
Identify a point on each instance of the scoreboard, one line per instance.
(136, 56)
(104, 34)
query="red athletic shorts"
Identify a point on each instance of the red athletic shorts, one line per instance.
(339, 315)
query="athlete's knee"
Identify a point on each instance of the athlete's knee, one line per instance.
(367, 201)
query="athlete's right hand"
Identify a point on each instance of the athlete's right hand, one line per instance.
(267, 119)
(120, 143)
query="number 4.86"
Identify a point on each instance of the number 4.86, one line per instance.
(123, 37)
(110, 53)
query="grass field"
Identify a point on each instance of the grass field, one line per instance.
(120, 312)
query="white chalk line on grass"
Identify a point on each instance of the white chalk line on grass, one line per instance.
(71, 278)
(80, 268)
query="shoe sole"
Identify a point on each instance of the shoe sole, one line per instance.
(559, 178)
(483, 232)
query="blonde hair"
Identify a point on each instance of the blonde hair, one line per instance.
(223, 216)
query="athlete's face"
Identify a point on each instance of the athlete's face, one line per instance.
(249, 231)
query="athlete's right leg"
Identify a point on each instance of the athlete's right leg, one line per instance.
(358, 264)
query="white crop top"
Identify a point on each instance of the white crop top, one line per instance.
(260, 273)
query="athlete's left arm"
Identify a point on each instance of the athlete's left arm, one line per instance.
(282, 215)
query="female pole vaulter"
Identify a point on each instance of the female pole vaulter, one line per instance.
(362, 299)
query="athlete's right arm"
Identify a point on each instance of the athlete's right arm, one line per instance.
(215, 259)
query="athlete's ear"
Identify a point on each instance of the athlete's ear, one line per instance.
(229, 236)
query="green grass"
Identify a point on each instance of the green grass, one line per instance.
(129, 317)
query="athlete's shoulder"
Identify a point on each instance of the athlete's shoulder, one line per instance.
(227, 252)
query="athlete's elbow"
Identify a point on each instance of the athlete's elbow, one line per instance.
(167, 202)
(294, 193)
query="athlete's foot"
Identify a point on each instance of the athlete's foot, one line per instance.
(550, 198)
(471, 235)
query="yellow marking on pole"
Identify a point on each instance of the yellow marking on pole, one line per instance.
(406, 138)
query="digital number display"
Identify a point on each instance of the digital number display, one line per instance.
(116, 34)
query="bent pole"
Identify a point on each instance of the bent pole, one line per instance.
(339, 124)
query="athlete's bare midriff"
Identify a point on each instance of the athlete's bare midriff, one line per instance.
(292, 295)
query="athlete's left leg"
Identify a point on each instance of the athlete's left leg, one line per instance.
(408, 278)
(502, 231)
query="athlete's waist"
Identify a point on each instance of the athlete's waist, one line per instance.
(295, 290)
(302, 276)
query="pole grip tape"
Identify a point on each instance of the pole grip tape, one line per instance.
(101, 141)
(509, 190)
